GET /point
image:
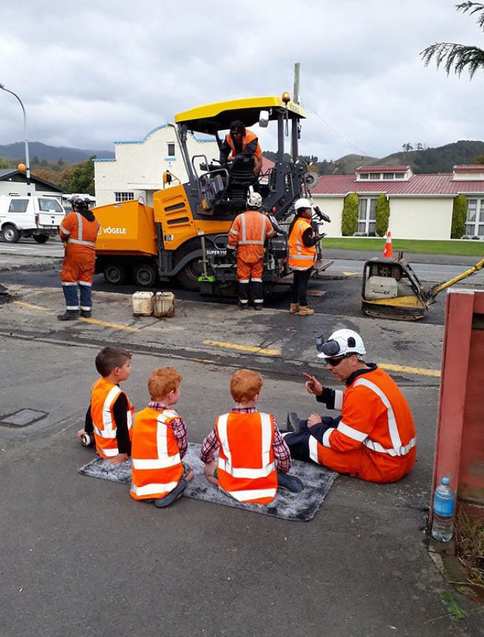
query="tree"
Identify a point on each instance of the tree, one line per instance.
(479, 160)
(349, 218)
(458, 57)
(382, 211)
(459, 215)
(80, 178)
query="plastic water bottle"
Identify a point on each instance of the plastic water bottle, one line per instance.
(443, 512)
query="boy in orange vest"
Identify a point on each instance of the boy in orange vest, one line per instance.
(245, 451)
(110, 413)
(159, 442)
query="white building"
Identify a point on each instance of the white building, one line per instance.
(138, 166)
(420, 205)
(14, 182)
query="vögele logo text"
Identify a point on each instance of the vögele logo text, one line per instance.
(113, 230)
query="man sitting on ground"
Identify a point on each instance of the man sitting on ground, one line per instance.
(374, 438)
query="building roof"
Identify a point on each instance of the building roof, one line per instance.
(7, 173)
(469, 168)
(382, 169)
(436, 184)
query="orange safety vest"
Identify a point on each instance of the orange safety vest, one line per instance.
(301, 257)
(376, 419)
(103, 396)
(246, 467)
(248, 233)
(80, 232)
(246, 139)
(157, 466)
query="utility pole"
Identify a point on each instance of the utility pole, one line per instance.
(295, 93)
(27, 158)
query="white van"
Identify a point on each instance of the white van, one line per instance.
(36, 216)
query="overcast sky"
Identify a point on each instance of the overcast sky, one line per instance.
(90, 73)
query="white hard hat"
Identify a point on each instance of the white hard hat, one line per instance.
(302, 203)
(254, 200)
(340, 343)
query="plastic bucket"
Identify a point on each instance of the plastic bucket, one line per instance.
(142, 303)
(164, 304)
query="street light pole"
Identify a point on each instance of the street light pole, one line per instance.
(27, 158)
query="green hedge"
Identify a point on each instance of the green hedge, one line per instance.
(349, 218)
(382, 209)
(459, 214)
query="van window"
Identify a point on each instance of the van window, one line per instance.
(49, 205)
(18, 205)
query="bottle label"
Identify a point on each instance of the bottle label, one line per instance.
(444, 508)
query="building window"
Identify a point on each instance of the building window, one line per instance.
(18, 205)
(123, 196)
(364, 175)
(375, 175)
(171, 149)
(367, 216)
(475, 218)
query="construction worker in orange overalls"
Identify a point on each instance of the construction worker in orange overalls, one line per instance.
(247, 237)
(241, 142)
(374, 439)
(78, 231)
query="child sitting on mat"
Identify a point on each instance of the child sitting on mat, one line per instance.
(159, 442)
(110, 413)
(245, 451)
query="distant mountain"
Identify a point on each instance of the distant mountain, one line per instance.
(51, 154)
(436, 160)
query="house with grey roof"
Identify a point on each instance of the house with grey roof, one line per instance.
(14, 182)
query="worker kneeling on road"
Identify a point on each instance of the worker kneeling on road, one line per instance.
(78, 231)
(374, 438)
(247, 237)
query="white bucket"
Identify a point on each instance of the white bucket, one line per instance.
(142, 303)
(164, 304)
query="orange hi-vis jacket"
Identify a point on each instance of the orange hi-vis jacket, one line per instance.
(103, 396)
(248, 234)
(157, 466)
(247, 139)
(246, 467)
(301, 257)
(375, 439)
(80, 236)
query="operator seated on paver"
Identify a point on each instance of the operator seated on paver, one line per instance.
(242, 143)
(374, 438)
(246, 240)
(78, 231)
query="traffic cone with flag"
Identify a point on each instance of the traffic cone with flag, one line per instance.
(388, 250)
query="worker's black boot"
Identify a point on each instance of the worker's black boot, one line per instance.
(69, 315)
(86, 313)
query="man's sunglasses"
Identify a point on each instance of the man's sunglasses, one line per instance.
(334, 362)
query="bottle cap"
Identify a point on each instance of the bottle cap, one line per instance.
(445, 480)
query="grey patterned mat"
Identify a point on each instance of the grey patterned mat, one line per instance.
(288, 506)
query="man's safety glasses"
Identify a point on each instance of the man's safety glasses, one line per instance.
(334, 362)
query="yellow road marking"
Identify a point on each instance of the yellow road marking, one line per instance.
(32, 307)
(116, 326)
(418, 371)
(244, 348)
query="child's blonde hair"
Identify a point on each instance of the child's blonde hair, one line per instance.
(162, 381)
(245, 385)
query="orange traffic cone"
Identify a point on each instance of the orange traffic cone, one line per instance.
(388, 250)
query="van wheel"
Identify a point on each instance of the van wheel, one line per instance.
(188, 276)
(114, 273)
(41, 238)
(145, 275)
(10, 233)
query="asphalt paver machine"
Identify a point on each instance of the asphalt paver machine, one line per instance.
(392, 290)
(184, 234)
